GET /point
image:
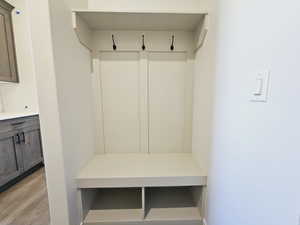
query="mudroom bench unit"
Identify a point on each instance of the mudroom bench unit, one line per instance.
(145, 169)
(133, 189)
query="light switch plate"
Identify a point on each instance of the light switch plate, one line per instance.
(260, 89)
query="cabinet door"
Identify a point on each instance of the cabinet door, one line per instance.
(10, 157)
(8, 66)
(31, 147)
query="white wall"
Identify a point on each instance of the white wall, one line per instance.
(49, 114)
(168, 5)
(17, 96)
(74, 89)
(77, 4)
(255, 178)
(64, 88)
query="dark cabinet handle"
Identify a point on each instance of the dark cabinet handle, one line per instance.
(18, 140)
(18, 123)
(23, 137)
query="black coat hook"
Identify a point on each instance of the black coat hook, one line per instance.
(172, 45)
(114, 44)
(143, 46)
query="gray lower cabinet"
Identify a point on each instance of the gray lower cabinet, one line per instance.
(20, 147)
(10, 157)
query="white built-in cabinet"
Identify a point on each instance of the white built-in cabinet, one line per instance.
(144, 171)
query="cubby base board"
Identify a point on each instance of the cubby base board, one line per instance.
(119, 216)
(148, 223)
(157, 216)
(174, 214)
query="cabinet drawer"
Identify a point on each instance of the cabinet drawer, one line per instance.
(18, 123)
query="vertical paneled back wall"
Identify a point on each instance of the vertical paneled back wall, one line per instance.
(143, 99)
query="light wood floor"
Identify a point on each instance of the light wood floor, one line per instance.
(26, 203)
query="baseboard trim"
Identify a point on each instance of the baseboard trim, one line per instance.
(11, 183)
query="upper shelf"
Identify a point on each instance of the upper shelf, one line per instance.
(85, 21)
(141, 170)
(103, 20)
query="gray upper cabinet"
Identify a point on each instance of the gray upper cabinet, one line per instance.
(8, 61)
(10, 157)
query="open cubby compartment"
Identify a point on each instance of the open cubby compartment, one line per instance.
(111, 205)
(174, 204)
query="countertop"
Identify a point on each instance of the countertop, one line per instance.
(14, 115)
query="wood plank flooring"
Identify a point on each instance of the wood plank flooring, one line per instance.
(26, 203)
